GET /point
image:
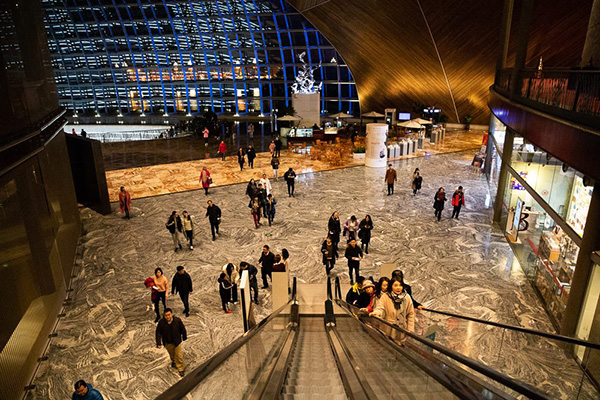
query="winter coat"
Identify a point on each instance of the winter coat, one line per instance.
(350, 226)
(404, 316)
(275, 163)
(391, 176)
(251, 154)
(251, 190)
(334, 252)
(266, 184)
(222, 148)
(458, 199)
(438, 201)
(214, 214)
(182, 283)
(255, 206)
(352, 252)
(252, 273)
(92, 394)
(205, 179)
(173, 333)
(278, 144)
(365, 230)
(173, 224)
(289, 176)
(188, 224)
(240, 156)
(334, 227)
(225, 287)
(124, 199)
(408, 291)
(267, 260)
(353, 294)
(417, 182)
(270, 206)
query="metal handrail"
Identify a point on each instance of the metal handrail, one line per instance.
(491, 373)
(561, 338)
(194, 378)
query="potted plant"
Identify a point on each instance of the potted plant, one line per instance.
(359, 152)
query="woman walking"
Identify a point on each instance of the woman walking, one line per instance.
(255, 206)
(251, 189)
(222, 150)
(329, 252)
(275, 165)
(251, 155)
(162, 287)
(381, 288)
(174, 226)
(241, 159)
(205, 180)
(188, 228)
(366, 225)
(438, 202)
(417, 181)
(351, 228)
(226, 284)
(270, 208)
(334, 228)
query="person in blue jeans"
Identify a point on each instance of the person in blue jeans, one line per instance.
(85, 391)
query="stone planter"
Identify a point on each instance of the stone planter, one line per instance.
(359, 156)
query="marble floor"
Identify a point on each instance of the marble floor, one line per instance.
(145, 181)
(464, 266)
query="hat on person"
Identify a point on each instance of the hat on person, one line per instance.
(367, 283)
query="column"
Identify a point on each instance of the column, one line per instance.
(522, 42)
(590, 242)
(591, 48)
(502, 179)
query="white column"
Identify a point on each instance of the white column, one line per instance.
(376, 151)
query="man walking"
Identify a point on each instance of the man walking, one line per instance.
(290, 179)
(85, 391)
(124, 201)
(458, 200)
(182, 283)
(213, 212)
(251, 154)
(354, 254)
(266, 261)
(252, 279)
(390, 177)
(170, 331)
(330, 253)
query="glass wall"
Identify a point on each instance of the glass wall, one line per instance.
(186, 57)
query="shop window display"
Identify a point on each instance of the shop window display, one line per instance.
(546, 254)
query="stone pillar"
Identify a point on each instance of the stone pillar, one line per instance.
(507, 150)
(591, 48)
(590, 242)
(522, 42)
(507, 13)
(376, 150)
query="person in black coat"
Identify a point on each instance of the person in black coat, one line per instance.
(226, 286)
(354, 254)
(213, 212)
(353, 295)
(175, 226)
(329, 251)
(278, 145)
(334, 228)
(290, 179)
(182, 284)
(266, 261)
(241, 159)
(170, 332)
(438, 202)
(364, 233)
(251, 153)
(252, 279)
(399, 275)
(251, 189)
(262, 198)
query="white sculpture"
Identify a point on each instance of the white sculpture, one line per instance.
(305, 82)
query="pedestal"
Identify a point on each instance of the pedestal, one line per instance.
(307, 107)
(376, 151)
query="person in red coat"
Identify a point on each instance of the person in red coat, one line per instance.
(458, 200)
(205, 179)
(124, 201)
(222, 150)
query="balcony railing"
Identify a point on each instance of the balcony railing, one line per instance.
(573, 94)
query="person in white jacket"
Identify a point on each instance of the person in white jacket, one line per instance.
(266, 183)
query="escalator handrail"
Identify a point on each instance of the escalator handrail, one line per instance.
(194, 378)
(560, 338)
(520, 387)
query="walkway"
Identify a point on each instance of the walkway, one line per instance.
(465, 266)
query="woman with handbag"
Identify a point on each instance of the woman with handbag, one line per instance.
(364, 233)
(205, 180)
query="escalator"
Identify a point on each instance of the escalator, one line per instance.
(339, 355)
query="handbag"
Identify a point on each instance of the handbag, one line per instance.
(209, 180)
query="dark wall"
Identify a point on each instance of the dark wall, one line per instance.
(390, 52)
(89, 176)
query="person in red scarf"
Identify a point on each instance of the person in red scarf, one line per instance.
(124, 202)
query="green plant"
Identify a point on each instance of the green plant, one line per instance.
(360, 149)
(467, 119)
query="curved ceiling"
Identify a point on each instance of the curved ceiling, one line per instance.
(390, 51)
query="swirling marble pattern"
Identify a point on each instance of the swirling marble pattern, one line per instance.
(464, 266)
